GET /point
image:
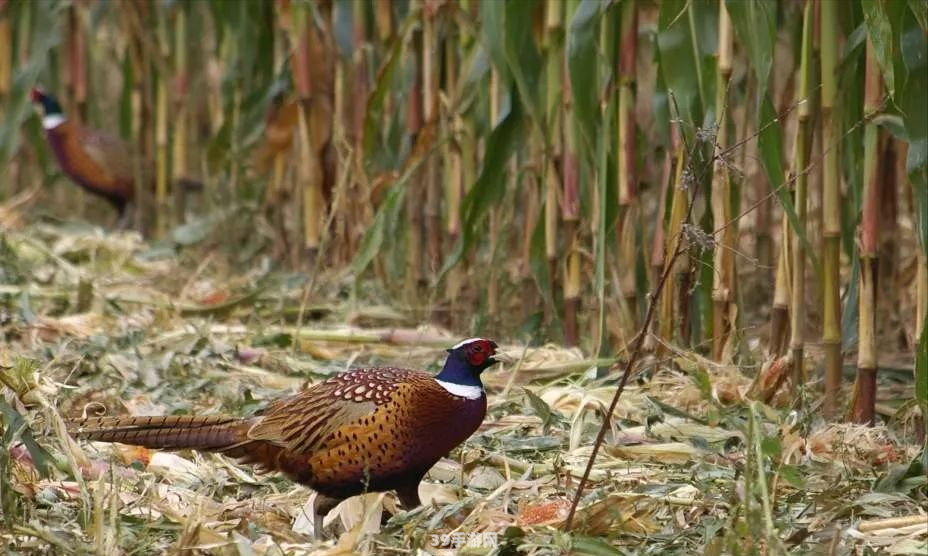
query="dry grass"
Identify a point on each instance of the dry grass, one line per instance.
(161, 331)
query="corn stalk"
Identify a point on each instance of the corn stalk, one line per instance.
(626, 174)
(668, 174)
(313, 69)
(459, 154)
(670, 303)
(779, 311)
(493, 233)
(831, 208)
(554, 71)
(77, 60)
(570, 209)
(723, 290)
(180, 107)
(161, 135)
(532, 215)
(431, 68)
(868, 246)
(415, 194)
(142, 97)
(6, 52)
(800, 171)
(921, 293)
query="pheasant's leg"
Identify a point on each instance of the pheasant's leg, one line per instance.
(321, 507)
(409, 496)
(318, 524)
(126, 217)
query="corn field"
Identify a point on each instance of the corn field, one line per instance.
(649, 183)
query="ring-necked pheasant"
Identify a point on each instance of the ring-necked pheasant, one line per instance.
(97, 161)
(367, 430)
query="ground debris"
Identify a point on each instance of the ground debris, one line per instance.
(679, 469)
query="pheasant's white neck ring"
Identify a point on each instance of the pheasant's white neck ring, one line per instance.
(51, 121)
(462, 390)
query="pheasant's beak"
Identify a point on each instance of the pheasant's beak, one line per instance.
(502, 357)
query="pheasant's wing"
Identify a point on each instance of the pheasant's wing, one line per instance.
(395, 445)
(113, 155)
(307, 422)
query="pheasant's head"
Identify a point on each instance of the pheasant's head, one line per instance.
(53, 116)
(47, 101)
(466, 361)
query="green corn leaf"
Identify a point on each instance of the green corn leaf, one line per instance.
(754, 23)
(540, 407)
(920, 12)
(125, 98)
(608, 205)
(850, 112)
(880, 33)
(582, 65)
(770, 149)
(661, 112)
(921, 366)
(15, 426)
(492, 31)
(538, 262)
(376, 233)
(770, 146)
(523, 56)
(771, 447)
(489, 188)
(912, 49)
(685, 43)
(850, 316)
(913, 46)
(792, 474)
(592, 546)
(509, 40)
(674, 411)
(46, 36)
(477, 66)
(901, 478)
(374, 110)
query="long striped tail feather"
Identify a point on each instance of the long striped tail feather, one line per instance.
(208, 433)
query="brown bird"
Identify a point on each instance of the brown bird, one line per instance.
(99, 162)
(367, 430)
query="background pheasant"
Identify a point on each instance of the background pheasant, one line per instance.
(367, 430)
(99, 162)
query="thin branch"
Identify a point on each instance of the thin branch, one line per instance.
(654, 297)
(629, 365)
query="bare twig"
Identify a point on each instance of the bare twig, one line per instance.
(629, 365)
(654, 297)
(635, 352)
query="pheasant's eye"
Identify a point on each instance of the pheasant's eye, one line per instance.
(478, 348)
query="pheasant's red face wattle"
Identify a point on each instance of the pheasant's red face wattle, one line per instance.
(479, 351)
(36, 95)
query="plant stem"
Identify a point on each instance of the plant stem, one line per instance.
(626, 171)
(865, 387)
(831, 207)
(800, 171)
(723, 290)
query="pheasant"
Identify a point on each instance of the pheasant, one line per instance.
(368, 430)
(97, 161)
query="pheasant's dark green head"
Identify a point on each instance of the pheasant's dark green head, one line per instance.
(53, 116)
